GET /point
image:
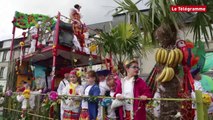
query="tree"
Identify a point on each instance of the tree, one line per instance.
(162, 25)
(122, 42)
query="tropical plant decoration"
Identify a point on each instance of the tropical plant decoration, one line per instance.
(162, 26)
(122, 42)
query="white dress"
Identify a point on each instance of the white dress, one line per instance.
(72, 103)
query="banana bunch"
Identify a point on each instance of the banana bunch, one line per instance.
(175, 57)
(166, 75)
(161, 56)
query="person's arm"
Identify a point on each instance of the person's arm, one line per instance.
(60, 87)
(20, 98)
(145, 90)
(118, 90)
(96, 91)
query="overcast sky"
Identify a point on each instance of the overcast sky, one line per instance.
(93, 11)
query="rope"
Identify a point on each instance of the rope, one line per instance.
(28, 113)
(102, 97)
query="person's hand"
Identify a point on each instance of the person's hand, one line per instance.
(143, 97)
(119, 97)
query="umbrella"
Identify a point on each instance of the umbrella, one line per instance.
(207, 83)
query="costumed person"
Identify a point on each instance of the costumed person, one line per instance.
(132, 86)
(61, 86)
(156, 104)
(27, 98)
(104, 89)
(71, 105)
(33, 38)
(112, 114)
(78, 25)
(89, 105)
(197, 86)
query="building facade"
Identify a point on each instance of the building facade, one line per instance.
(5, 58)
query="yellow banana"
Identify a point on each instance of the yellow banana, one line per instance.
(156, 55)
(169, 57)
(167, 75)
(172, 58)
(166, 56)
(161, 76)
(159, 55)
(180, 56)
(172, 73)
(162, 56)
(176, 60)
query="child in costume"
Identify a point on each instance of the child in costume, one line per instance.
(90, 105)
(71, 105)
(112, 113)
(104, 89)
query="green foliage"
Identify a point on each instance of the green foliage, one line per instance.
(160, 14)
(122, 42)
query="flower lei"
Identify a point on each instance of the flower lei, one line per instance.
(72, 90)
(26, 93)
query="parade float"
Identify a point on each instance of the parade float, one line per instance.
(51, 47)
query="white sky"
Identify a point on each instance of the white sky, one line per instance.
(93, 11)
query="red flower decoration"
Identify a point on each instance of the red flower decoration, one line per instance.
(71, 91)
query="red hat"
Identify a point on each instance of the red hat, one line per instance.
(74, 72)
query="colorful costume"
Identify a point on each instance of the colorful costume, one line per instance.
(71, 105)
(61, 86)
(89, 105)
(78, 27)
(139, 88)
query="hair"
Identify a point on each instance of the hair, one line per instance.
(93, 74)
(77, 6)
(79, 80)
(130, 63)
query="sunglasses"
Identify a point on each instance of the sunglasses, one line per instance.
(135, 67)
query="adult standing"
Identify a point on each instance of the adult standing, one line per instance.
(133, 86)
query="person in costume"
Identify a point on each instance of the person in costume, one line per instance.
(27, 98)
(112, 114)
(132, 86)
(104, 89)
(78, 26)
(71, 105)
(61, 86)
(90, 105)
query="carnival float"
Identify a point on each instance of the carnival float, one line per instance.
(50, 47)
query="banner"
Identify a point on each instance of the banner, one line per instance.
(25, 21)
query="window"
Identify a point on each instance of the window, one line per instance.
(1, 72)
(4, 56)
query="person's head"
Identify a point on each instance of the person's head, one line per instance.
(77, 6)
(92, 77)
(74, 78)
(111, 83)
(102, 74)
(196, 73)
(26, 85)
(132, 68)
(66, 76)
